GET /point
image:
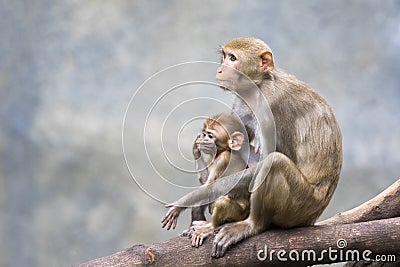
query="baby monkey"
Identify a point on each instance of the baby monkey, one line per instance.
(220, 151)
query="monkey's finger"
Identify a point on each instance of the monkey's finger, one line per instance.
(167, 220)
(164, 222)
(166, 217)
(169, 223)
(195, 241)
(220, 245)
(198, 241)
(201, 241)
(172, 223)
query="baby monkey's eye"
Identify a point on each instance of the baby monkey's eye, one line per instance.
(232, 58)
(210, 136)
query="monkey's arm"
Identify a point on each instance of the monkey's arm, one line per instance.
(201, 166)
(202, 171)
(202, 174)
(218, 166)
(206, 194)
(209, 192)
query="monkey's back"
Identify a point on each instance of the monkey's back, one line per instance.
(308, 133)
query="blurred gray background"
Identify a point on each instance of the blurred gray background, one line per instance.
(69, 68)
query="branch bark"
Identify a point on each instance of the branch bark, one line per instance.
(373, 226)
(385, 205)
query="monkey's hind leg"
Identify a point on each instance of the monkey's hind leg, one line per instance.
(232, 233)
(276, 201)
(226, 210)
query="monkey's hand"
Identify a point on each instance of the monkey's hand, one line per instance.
(207, 146)
(201, 166)
(171, 218)
(196, 151)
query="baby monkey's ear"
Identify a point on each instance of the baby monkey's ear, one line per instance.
(236, 141)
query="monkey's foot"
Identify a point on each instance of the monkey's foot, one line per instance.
(230, 235)
(199, 223)
(200, 233)
(189, 232)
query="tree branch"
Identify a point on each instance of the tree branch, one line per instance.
(373, 226)
(385, 205)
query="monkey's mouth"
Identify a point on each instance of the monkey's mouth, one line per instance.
(224, 85)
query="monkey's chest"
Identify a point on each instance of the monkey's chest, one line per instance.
(253, 130)
(251, 124)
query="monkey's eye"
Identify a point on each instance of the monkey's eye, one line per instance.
(232, 57)
(210, 136)
(203, 134)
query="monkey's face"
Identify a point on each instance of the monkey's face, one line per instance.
(206, 143)
(214, 138)
(245, 62)
(230, 75)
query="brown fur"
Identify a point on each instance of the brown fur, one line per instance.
(306, 164)
(221, 156)
(298, 176)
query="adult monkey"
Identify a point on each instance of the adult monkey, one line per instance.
(296, 181)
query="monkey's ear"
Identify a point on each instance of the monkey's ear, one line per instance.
(236, 141)
(266, 61)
